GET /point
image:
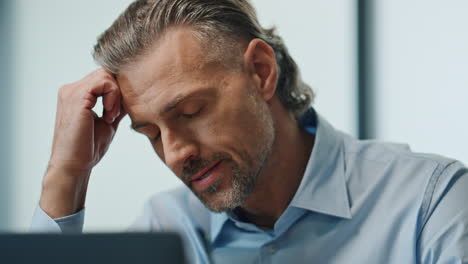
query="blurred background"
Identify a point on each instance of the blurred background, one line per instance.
(391, 70)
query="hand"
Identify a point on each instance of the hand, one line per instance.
(81, 139)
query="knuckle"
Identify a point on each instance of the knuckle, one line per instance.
(102, 70)
(111, 84)
(103, 73)
(99, 71)
(105, 83)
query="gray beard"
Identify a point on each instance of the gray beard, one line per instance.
(243, 183)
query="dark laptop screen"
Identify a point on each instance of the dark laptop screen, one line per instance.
(125, 248)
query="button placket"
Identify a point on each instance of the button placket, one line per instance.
(272, 249)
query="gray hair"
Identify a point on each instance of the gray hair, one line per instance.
(144, 21)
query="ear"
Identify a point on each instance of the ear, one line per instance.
(260, 64)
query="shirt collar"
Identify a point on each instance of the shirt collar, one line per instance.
(217, 222)
(323, 187)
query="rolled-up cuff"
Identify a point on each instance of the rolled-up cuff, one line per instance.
(42, 223)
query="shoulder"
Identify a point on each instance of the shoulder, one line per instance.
(178, 203)
(395, 160)
(391, 174)
(388, 152)
(422, 195)
(172, 210)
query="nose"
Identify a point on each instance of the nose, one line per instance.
(179, 149)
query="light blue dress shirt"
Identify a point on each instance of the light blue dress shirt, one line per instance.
(358, 202)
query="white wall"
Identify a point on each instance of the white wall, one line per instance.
(53, 41)
(321, 38)
(422, 74)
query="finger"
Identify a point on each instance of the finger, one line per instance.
(104, 83)
(109, 91)
(110, 115)
(106, 86)
(122, 114)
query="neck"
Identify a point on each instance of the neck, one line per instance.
(281, 176)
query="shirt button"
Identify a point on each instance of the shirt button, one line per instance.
(272, 249)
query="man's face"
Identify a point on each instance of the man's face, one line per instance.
(206, 122)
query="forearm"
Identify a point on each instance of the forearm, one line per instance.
(64, 191)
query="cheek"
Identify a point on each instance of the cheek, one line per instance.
(216, 132)
(158, 150)
(236, 129)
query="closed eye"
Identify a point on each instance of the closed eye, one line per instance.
(192, 115)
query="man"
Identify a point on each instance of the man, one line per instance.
(267, 179)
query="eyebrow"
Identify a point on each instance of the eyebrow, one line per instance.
(173, 104)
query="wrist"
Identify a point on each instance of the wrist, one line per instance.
(63, 191)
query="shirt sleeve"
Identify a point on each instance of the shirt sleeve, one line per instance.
(444, 235)
(146, 221)
(42, 223)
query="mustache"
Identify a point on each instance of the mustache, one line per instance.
(197, 165)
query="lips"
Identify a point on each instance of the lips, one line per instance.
(205, 172)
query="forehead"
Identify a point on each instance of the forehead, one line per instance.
(178, 60)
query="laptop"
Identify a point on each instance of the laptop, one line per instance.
(125, 248)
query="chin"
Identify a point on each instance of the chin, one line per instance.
(228, 192)
(218, 199)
